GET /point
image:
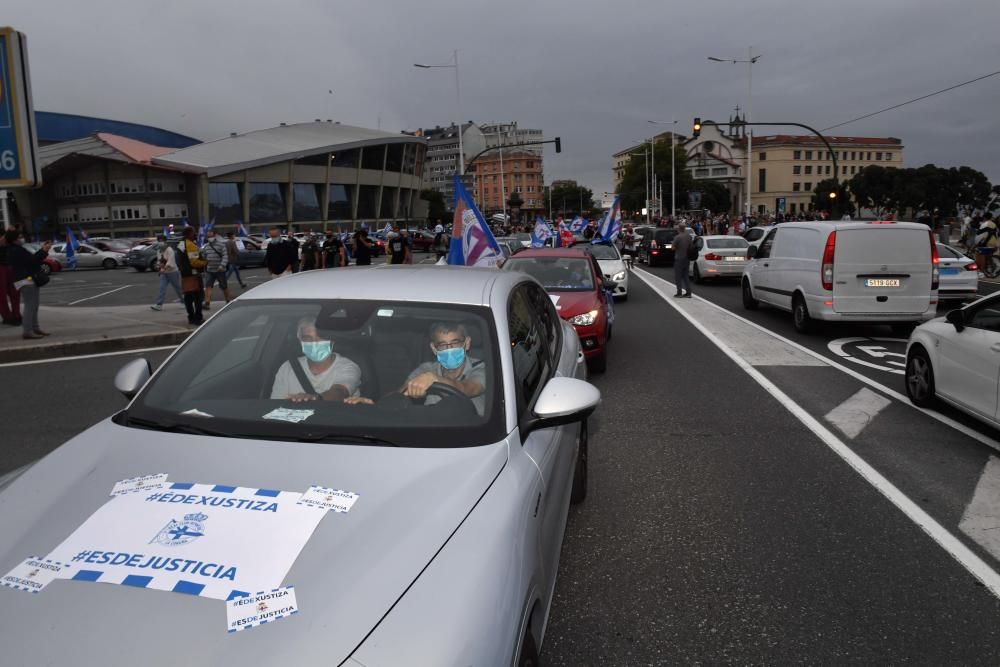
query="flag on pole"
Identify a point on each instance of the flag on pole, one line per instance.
(83, 234)
(472, 242)
(540, 234)
(71, 247)
(184, 222)
(610, 225)
(241, 229)
(578, 225)
(165, 233)
(387, 229)
(564, 237)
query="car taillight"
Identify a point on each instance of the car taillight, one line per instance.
(826, 272)
(972, 267)
(935, 271)
(712, 257)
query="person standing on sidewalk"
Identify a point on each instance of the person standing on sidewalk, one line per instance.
(682, 244)
(233, 252)
(191, 265)
(362, 248)
(215, 253)
(10, 299)
(24, 267)
(281, 254)
(166, 259)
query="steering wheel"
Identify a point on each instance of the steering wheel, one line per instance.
(447, 393)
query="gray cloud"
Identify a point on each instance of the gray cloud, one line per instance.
(591, 72)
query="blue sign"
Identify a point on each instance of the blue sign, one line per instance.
(18, 144)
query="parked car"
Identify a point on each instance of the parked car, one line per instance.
(959, 274)
(49, 264)
(718, 257)
(875, 272)
(142, 257)
(120, 247)
(449, 554)
(755, 235)
(955, 359)
(573, 279)
(657, 245)
(422, 240)
(612, 266)
(87, 256)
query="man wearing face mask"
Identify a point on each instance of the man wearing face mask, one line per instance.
(332, 377)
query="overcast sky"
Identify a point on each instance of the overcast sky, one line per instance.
(592, 72)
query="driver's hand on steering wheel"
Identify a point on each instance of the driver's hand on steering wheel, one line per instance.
(418, 386)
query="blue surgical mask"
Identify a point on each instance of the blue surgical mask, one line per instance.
(452, 358)
(317, 351)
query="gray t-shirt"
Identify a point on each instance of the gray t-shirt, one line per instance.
(473, 369)
(343, 371)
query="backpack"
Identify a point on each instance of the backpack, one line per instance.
(692, 251)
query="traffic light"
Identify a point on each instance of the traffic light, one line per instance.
(696, 127)
(558, 145)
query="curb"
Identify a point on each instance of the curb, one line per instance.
(75, 348)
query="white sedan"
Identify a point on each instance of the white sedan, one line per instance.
(87, 256)
(718, 257)
(959, 274)
(957, 359)
(612, 266)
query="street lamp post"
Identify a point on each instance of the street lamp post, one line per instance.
(673, 147)
(751, 59)
(458, 103)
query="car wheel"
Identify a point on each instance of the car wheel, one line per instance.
(920, 379)
(599, 364)
(109, 264)
(529, 651)
(749, 302)
(697, 275)
(579, 492)
(902, 329)
(153, 264)
(800, 315)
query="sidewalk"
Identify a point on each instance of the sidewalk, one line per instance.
(80, 330)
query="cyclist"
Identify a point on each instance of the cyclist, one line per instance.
(986, 245)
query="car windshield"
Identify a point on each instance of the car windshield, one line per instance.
(727, 243)
(665, 235)
(559, 274)
(239, 375)
(603, 251)
(522, 236)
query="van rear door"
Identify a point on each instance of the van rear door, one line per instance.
(882, 268)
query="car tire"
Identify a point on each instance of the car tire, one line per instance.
(920, 379)
(599, 364)
(109, 264)
(579, 493)
(800, 315)
(153, 264)
(697, 275)
(749, 303)
(529, 651)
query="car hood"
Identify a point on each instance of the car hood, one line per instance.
(570, 304)
(610, 267)
(347, 577)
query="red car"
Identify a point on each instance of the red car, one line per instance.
(49, 265)
(575, 285)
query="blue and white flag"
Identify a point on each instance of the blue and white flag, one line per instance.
(472, 242)
(241, 229)
(184, 222)
(83, 234)
(610, 225)
(165, 232)
(203, 231)
(71, 247)
(578, 225)
(540, 234)
(387, 229)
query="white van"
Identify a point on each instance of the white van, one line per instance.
(878, 272)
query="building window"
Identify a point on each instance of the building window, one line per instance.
(163, 212)
(796, 187)
(809, 155)
(878, 155)
(267, 203)
(372, 157)
(854, 155)
(763, 156)
(854, 169)
(796, 155)
(797, 169)
(530, 165)
(843, 170)
(387, 210)
(367, 201)
(762, 180)
(807, 187)
(720, 171)
(888, 156)
(700, 173)
(394, 158)
(339, 207)
(809, 169)
(827, 170)
(869, 155)
(224, 203)
(843, 155)
(305, 202)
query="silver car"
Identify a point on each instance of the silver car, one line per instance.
(88, 256)
(449, 556)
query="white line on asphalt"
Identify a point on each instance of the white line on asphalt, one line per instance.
(981, 518)
(87, 356)
(950, 543)
(118, 289)
(854, 414)
(892, 393)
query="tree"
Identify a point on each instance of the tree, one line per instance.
(633, 185)
(436, 209)
(837, 206)
(714, 196)
(873, 188)
(567, 198)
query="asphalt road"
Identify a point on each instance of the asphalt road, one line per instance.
(718, 528)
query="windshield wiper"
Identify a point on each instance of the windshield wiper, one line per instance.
(175, 427)
(346, 438)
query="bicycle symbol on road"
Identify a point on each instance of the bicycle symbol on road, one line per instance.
(872, 352)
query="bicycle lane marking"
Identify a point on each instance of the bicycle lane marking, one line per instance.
(953, 545)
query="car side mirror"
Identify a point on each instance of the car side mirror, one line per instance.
(132, 376)
(751, 252)
(562, 401)
(957, 318)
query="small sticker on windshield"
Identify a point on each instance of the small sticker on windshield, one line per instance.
(144, 483)
(289, 415)
(384, 312)
(328, 499)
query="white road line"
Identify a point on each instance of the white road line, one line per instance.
(950, 543)
(87, 356)
(854, 414)
(981, 519)
(892, 393)
(96, 296)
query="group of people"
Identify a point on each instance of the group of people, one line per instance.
(21, 278)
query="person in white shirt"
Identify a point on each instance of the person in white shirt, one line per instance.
(333, 377)
(166, 259)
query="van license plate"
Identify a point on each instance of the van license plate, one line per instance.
(882, 282)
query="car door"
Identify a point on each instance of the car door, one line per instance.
(533, 323)
(759, 269)
(87, 256)
(969, 360)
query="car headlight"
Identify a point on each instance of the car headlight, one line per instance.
(584, 319)
(618, 277)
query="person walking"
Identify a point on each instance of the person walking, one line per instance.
(682, 245)
(191, 265)
(166, 259)
(281, 254)
(310, 252)
(333, 253)
(233, 252)
(362, 248)
(10, 298)
(399, 248)
(25, 269)
(215, 253)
